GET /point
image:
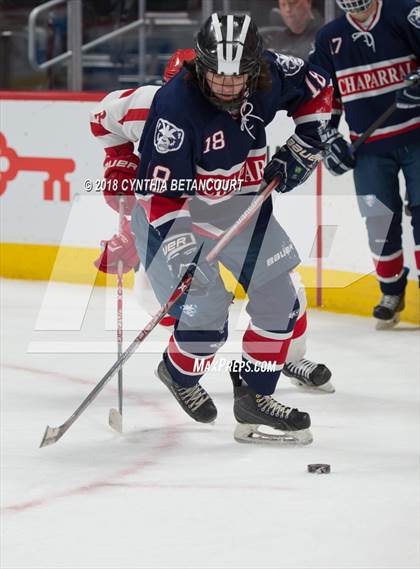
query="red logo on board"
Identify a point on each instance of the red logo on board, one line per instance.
(56, 168)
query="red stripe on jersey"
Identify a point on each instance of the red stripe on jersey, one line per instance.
(250, 174)
(300, 326)
(322, 103)
(128, 92)
(390, 268)
(135, 115)
(98, 130)
(159, 206)
(367, 80)
(265, 349)
(387, 134)
(185, 362)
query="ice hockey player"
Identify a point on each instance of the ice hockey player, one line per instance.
(369, 52)
(117, 123)
(203, 157)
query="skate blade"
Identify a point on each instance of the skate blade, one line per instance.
(388, 324)
(327, 387)
(51, 436)
(115, 420)
(247, 433)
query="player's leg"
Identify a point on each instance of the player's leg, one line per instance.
(301, 371)
(201, 326)
(415, 222)
(199, 333)
(377, 187)
(410, 164)
(273, 308)
(261, 259)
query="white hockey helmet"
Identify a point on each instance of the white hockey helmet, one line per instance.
(354, 5)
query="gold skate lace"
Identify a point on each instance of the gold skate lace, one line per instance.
(270, 406)
(193, 397)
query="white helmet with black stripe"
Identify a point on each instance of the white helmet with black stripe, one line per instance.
(354, 5)
(228, 45)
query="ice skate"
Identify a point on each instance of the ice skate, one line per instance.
(261, 419)
(387, 312)
(309, 375)
(194, 400)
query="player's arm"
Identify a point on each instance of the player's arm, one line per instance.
(117, 123)
(338, 157)
(408, 27)
(109, 126)
(305, 93)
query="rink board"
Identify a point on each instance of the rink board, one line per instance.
(52, 231)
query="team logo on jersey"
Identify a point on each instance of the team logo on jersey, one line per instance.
(414, 17)
(289, 64)
(168, 137)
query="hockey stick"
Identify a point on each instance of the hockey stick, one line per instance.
(375, 125)
(115, 415)
(53, 434)
(385, 115)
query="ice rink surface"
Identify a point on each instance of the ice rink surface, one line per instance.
(171, 493)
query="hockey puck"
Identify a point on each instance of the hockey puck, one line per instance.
(319, 468)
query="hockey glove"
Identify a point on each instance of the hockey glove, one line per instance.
(180, 251)
(409, 97)
(338, 157)
(122, 248)
(292, 164)
(120, 173)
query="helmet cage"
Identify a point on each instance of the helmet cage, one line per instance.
(354, 5)
(228, 45)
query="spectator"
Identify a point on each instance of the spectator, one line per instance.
(293, 29)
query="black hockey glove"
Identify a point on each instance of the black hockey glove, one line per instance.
(339, 156)
(409, 97)
(292, 164)
(180, 251)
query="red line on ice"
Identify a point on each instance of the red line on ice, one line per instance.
(169, 441)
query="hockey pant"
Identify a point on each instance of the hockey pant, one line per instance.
(376, 179)
(261, 260)
(147, 300)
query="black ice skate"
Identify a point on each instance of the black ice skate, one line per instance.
(387, 312)
(310, 375)
(253, 411)
(194, 400)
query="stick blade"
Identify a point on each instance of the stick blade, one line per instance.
(115, 420)
(51, 436)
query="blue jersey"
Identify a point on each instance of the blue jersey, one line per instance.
(368, 65)
(206, 158)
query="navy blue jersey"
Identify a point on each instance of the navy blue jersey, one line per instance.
(368, 65)
(206, 156)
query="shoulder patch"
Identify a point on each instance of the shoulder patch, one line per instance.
(414, 17)
(168, 137)
(289, 64)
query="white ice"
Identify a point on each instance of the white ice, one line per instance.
(171, 493)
